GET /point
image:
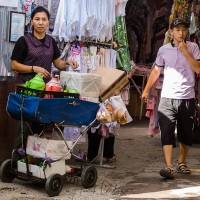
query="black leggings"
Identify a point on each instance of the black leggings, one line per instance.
(94, 142)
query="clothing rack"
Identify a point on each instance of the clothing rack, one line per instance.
(92, 42)
(97, 43)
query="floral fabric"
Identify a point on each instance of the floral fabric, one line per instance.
(121, 45)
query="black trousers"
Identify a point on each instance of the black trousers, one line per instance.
(94, 140)
(180, 112)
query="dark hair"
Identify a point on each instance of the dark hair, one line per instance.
(40, 9)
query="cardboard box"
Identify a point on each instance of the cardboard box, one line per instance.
(113, 81)
(42, 147)
(38, 171)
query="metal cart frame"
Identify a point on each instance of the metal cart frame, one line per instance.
(54, 182)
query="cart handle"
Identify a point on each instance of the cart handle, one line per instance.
(74, 103)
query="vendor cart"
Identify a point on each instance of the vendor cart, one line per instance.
(42, 158)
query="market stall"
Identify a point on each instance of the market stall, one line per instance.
(92, 49)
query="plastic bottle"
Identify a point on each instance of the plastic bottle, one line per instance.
(53, 85)
(65, 87)
(67, 169)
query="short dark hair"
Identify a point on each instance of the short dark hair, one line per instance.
(40, 9)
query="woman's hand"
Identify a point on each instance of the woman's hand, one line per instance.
(61, 64)
(42, 71)
(21, 68)
(72, 63)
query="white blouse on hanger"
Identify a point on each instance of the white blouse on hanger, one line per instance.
(93, 17)
(60, 23)
(111, 19)
(72, 18)
(84, 18)
(120, 8)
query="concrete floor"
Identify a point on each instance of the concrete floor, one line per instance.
(136, 176)
(147, 160)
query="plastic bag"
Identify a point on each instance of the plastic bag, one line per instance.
(110, 109)
(103, 115)
(120, 112)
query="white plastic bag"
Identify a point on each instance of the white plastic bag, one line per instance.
(103, 115)
(120, 112)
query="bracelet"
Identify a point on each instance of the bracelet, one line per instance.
(32, 69)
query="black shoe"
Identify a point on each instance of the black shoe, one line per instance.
(167, 173)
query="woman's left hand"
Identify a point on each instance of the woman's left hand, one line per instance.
(61, 64)
(72, 63)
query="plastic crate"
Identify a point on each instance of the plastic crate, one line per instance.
(44, 94)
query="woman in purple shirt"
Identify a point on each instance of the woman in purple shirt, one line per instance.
(34, 53)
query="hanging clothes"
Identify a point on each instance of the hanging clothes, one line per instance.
(120, 7)
(60, 26)
(121, 45)
(92, 19)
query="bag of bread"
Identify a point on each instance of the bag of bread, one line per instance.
(120, 112)
(110, 109)
(103, 115)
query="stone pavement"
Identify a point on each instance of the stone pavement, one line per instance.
(136, 176)
(146, 183)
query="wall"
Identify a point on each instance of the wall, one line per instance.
(6, 123)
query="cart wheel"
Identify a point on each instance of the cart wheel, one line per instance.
(7, 173)
(54, 185)
(89, 176)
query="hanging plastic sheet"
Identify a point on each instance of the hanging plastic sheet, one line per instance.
(5, 46)
(3, 69)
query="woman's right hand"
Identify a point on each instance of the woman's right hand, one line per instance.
(42, 71)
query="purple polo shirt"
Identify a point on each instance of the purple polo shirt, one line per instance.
(179, 78)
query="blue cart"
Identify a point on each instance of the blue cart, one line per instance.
(53, 112)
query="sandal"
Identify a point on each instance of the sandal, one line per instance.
(182, 168)
(110, 160)
(167, 172)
